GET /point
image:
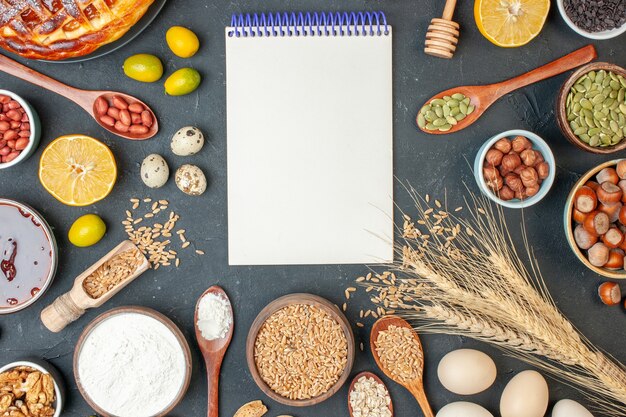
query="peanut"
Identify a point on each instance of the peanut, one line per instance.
(136, 107)
(121, 127)
(120, 103)
(21, 144)
(101, 106)
(125, 117)
(139, 129)
(146, 118)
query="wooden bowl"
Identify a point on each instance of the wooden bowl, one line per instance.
(274, 306)
(561, 112)
(568, 223)
(147, 312)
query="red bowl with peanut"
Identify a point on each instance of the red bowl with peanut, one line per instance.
(595, 219)
(20, 129)
(515, 168)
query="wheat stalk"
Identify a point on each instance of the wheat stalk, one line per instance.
(463, 276)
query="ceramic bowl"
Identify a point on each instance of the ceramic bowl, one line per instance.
(54, 253)
(561, 110)
(278, 304)
(147, 312)
(538, 144)
(569, 225)
(45, 367)
(604, 35)
(35, 130)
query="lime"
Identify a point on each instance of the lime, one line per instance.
(183, 42)
(87, 230)
(143, 67)
(183, 81)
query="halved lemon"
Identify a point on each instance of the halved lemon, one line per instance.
(77, 170)
(510, 23)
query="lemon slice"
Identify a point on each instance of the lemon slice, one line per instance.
(77, 170)
(510, 23)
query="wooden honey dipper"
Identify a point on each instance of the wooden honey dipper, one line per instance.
(443, 34)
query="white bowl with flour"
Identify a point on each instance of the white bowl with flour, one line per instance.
(132, 362)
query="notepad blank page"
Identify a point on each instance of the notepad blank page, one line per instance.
(309, 124)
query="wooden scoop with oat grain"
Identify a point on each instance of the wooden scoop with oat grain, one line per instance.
(398, 352)
(96, 285)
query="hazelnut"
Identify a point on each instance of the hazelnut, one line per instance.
(491, 173)
(506, 193)
(539, 157)
(520, 194)
(503, 170)
(514, 182)
(519, 143)
(503, 145)
(511, 161)
(529, 177)
(543, 170)
(528, 157)
(493, 157)
(531, 190)
(495, 184)
(519, 169)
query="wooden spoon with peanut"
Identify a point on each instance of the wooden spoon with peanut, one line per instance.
(411, 351)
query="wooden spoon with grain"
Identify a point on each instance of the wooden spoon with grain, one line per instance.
(483, 96)
(416, 386)
(367, 375)
(71, 305)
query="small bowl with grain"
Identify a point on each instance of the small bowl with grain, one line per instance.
(308, 335)
(30, 379)
(591, 108)
(515, 168)
(594, 219)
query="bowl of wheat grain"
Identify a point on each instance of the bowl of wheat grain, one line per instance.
(300, 350)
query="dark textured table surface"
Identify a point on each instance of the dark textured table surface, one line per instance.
(430, 164)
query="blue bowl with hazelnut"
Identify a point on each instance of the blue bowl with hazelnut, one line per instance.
(515, 168)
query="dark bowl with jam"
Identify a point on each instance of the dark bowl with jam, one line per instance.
(28, 256)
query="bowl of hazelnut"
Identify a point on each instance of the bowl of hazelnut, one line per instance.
(595, 219)
(515, 168)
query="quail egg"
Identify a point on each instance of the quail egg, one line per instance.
(191, 180)
(154, 171)
(187, 141)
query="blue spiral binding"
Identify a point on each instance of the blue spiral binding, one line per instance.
(309, 24)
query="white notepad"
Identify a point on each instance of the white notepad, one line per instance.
(310, 149)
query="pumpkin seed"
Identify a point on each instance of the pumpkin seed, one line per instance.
(421, 120)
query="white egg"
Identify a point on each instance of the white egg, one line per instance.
(466, 371)
(526, 395)
(191, 180)
(463, 409)
(154, 171)
(569, 408)
(187, 141)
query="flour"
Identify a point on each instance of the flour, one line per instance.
(132, 365)
(214, 316)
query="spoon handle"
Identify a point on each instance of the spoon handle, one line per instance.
(213, 366)
(18, 70)
(418, 392)
(570, 61)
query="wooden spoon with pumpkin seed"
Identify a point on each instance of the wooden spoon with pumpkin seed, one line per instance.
(457, 108)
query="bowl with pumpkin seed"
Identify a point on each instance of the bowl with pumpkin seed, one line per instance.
(591, 108)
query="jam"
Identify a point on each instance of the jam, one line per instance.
(25, 255)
